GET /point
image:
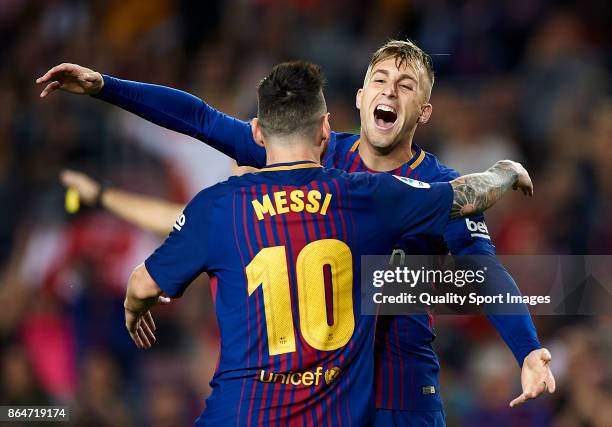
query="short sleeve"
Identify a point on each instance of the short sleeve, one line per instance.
(183, 255)
(416, 207)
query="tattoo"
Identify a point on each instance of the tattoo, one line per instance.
(477, 192)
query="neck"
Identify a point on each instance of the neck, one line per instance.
(291, 151)
(385, 159)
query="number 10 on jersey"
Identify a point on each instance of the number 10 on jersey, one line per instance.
(268, 269)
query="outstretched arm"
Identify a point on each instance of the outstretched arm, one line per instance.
(149, 213)
(171, 108)
(512, 322)
(469, 239)
(477, 192)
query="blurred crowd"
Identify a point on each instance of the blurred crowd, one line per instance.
(526, 80)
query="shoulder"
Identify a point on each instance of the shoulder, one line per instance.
(217, 195)
(354, 178)
(434, 170)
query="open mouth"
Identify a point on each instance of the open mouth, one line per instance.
(384, 116)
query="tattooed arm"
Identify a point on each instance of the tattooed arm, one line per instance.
(477, 192)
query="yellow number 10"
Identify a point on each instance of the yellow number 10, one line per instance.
(269, 269)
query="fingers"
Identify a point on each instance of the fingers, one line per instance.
(143, 337)
(67, 177)
(47, 76)
(72, 178)
(140, 338)
(50, 88)
(148, 333)
(545, 355)
(518, 401)
(149, 319)
(526, 188)
(551, 384)
(53, 71)
(528, 395)
(540, 377)
(131, 323)
(141, 329)
(136, 340)
(548, 384)
(524, 397)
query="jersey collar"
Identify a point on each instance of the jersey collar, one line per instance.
(419, 155)
(290, 166)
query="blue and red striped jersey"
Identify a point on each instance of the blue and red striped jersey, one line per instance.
(284, 247)
(406, 364)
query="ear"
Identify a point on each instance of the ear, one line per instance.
(324, 134)
(358, 99)
(326, 128)
(425, 113)
(324, 131)
(257, 132)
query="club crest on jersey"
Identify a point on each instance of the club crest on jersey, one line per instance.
(331, 375)
(413, 182)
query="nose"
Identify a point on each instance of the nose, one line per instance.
(389, 90)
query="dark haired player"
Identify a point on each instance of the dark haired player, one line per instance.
(393, 101)
(283, 248)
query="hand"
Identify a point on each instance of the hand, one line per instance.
(536, 376)
(72, 78)
(523, 180)
(88, 188)
(141, 325)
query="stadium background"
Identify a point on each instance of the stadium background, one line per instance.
(527, 80)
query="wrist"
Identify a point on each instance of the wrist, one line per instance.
(105, 85)
(101, 83)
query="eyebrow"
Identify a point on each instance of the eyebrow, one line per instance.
(402, 76)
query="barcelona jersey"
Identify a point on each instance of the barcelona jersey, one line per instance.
(406, 371)
(283, 249)
(406, 366)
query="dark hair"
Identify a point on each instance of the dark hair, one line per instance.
(291, 99)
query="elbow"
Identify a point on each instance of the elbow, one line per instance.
(141, 285)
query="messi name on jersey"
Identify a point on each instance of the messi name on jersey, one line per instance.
(294, 201)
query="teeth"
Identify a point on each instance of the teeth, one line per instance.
(383, 107)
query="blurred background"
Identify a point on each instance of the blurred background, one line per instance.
(522, 79)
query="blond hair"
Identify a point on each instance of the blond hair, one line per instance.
(405, 52)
